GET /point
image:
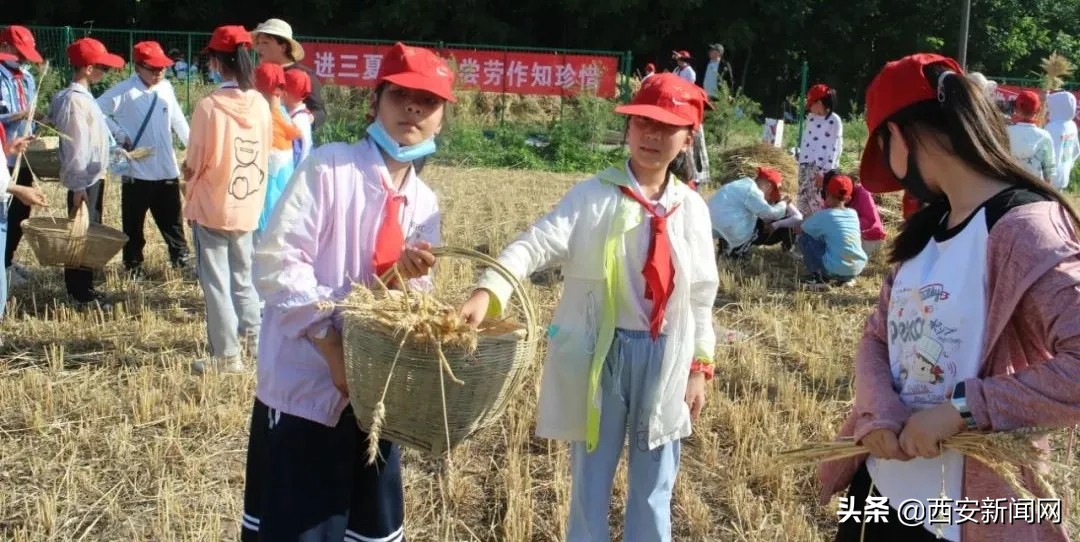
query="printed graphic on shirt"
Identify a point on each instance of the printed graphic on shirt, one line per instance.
(926, 345)
(247, 178)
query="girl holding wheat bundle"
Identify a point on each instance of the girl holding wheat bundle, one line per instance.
(976, 326)
(349, 213)
(632, 341)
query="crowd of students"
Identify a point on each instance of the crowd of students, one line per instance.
(993, 253)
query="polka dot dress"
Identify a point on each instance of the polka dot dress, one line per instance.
(822, 144)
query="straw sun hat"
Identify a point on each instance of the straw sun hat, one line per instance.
(281, 29)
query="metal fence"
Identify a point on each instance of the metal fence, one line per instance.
(52, 42)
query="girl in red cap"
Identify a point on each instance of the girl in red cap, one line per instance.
(17, 89)
(226, 170)
(822, 145)
(85, 153)
(976, 327)
(297, 89)
(632, 340)
(270, 82)
(1031, 145)
(349, 214)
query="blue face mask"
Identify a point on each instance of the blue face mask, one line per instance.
(401, 154)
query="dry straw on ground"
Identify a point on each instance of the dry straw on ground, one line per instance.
(743, 162)
(104, 435)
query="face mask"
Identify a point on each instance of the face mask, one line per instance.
(913, 182)
(378, 134)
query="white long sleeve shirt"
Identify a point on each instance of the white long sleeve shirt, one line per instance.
(126, 104)
(84, 153)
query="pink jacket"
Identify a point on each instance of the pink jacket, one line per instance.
(1031, 359)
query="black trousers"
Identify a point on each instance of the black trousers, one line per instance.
(306, 482)
(18, 212)
(162, 199)
(80, 282)
(779, 236)
(891, 530)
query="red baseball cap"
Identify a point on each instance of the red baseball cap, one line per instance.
(227, 39)
(298, 83)
(650, 66)
(840, 186)
(816, 93)
(150, 54)
(900, 84)
(684, 54)
(269, 77)
(771, 175)
(91, 52)
(22, 40)
(1027, 104)
(670, 99)
(419, 69)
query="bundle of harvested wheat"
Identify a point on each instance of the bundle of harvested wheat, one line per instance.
(402, 346)
(1055, 68)
(1004, 452)
(743, 162)
(140, 153)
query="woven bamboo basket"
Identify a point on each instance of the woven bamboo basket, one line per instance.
(43, 158)
(412, 378)
(72, 242)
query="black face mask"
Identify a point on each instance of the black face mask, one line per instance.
(913, 182)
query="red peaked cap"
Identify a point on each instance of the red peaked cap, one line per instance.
(669, 99)
(900, 84)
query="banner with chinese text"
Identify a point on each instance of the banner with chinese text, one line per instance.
(511, 72)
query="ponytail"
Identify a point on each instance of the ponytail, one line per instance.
(969, 119)
(238, 64)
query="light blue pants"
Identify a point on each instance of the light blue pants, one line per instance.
(629, 381)
(813, 251)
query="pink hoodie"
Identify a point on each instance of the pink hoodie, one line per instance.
(231, 132)
(869, 219)
(1031, 359)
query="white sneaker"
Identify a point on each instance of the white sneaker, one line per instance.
(215, 364)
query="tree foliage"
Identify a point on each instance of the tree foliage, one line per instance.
(844, 41)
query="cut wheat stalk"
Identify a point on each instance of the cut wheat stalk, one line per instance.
(1004, 452)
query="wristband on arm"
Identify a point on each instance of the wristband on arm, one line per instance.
(704, 366)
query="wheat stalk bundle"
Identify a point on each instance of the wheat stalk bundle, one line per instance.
(1004, 452)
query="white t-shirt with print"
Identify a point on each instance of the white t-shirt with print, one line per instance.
(937, 321)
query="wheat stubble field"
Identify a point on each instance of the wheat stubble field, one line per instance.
(104, 434)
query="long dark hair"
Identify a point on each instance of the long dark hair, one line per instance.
(977, 136)
(237, 64)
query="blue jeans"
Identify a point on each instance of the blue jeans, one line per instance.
(3, 273)
(629, 381)
(813, 251)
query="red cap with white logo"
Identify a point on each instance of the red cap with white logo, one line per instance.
(419, 69)
(669, 99)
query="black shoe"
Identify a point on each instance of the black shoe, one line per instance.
(93, 299)
(183, 262)
(815, 282)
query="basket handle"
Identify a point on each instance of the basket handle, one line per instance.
(77, 234)
(531, 316)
